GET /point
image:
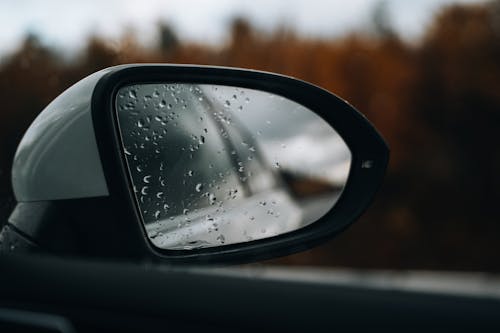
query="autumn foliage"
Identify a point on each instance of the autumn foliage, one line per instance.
(437, 103)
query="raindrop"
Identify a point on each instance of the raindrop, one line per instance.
(221, 239)
(125, 150)
(132, 93)
(140, 123)
(162, 103)
(247, 100)
(202, 140)
(159, 195)
(138, 168)
(144, 190)
(276, 165)
(190, 173)
(185, 211)
(157, 214)
(212, 198)
(199, 187)
(146, 179)
(227, 104)
(262, 203)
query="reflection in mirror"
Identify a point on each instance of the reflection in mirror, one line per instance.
(216, 165)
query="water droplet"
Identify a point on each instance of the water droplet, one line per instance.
(144, 190)
(190, 173)
(140, 123)
(146, 179)
(202, 140)
(162, 103)
(133, 94)
(227, 104)
(263, 230)
(247, 100)
(127, 152)
(262, 203)
(221, 239)
(157, 214)
(138, 168)
(159, 195)
(199, 187)
(277, 165)
(212, 198)
(185, 211)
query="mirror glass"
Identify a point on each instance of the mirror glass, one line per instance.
(214, 165)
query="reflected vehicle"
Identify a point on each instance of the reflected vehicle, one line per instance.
(210, 164)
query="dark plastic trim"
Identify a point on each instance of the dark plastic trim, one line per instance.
(369, 157)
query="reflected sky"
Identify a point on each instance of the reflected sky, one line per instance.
(66, 24)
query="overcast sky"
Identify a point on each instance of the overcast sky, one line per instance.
(65, 24)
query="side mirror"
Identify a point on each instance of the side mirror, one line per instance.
(191, 164)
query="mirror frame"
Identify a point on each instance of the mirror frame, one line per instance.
(368, 162)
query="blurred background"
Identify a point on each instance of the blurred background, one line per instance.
(425, 72)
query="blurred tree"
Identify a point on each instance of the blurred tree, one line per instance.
(168, 39)
(381, 20)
